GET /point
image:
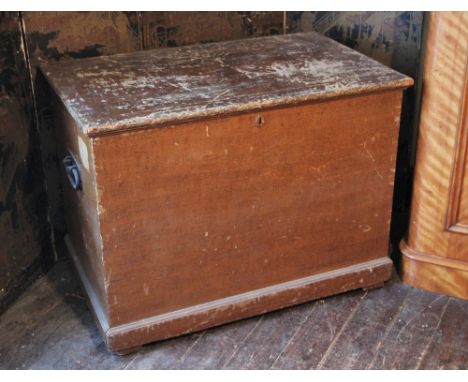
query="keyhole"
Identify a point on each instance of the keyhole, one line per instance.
(259, 120)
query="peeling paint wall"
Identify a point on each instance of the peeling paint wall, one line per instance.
(24, 232)
(29, 38)
(169, 29)
(392, 38)
(69, 35)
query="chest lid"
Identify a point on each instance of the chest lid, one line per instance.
(165, 86)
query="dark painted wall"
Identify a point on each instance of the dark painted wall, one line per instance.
(24, 230)
(392, 38)
(29, 38)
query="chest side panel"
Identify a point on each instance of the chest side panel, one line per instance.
(206, 210)
(81, 214)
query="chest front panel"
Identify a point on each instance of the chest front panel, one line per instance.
(197, 212)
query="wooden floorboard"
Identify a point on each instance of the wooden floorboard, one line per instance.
(394, 327)
(357, 343)
(164, 355)
(412, 331)
(449, 346)
(218, 345)
(318, 331)
(269, 339)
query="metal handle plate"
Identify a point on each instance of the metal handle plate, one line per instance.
(73, 171)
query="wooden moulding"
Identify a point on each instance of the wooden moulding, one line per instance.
(433, 273)
(129, 336)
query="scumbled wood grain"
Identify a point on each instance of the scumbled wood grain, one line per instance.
(126, 91)
(203, 218)
(229, 248)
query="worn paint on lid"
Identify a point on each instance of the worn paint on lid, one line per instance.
(165, 86)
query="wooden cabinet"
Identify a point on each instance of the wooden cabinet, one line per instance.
(221, 181)
(435, 256)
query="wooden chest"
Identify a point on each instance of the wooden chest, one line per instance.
(210, 183)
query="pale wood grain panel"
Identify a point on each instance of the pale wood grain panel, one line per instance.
(444, 79)
(458, 208)
(437, 251)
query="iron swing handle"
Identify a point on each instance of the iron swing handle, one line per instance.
(73, 171)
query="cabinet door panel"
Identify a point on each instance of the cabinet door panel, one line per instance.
(457, 216)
